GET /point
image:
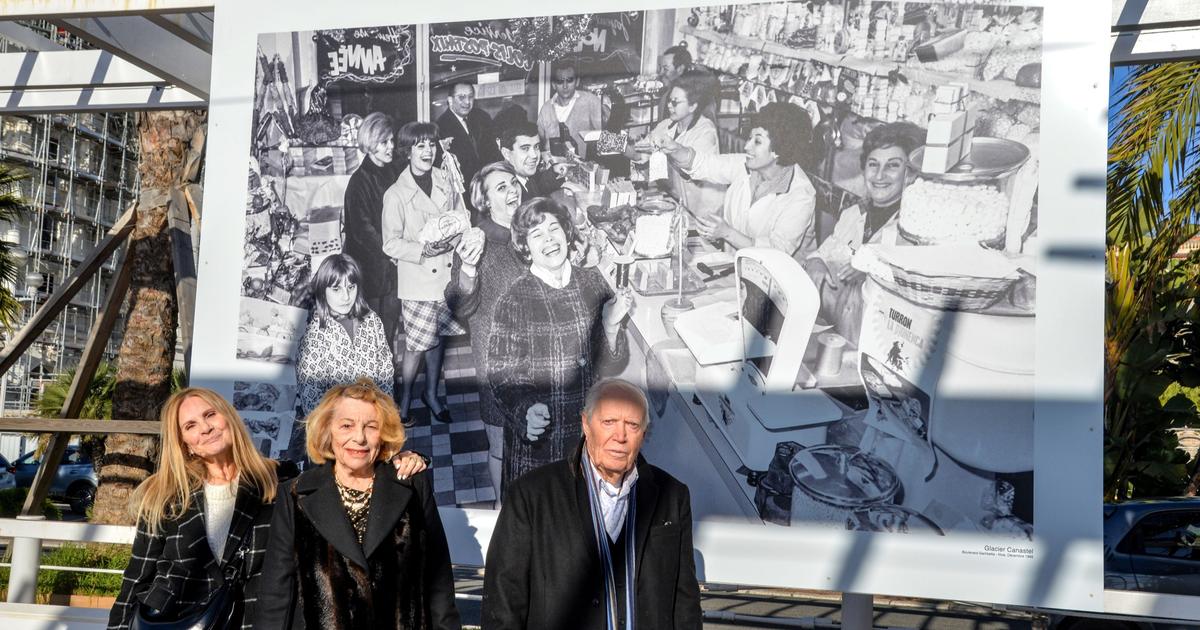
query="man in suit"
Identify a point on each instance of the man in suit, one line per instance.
(474, 141)
(521, 147)
(599, 540)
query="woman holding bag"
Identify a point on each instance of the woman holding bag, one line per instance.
(203, 519)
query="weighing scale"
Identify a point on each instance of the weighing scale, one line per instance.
(750, 353)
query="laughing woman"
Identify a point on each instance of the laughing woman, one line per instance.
(421, 195)
(553, 332)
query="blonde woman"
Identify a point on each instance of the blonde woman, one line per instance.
(209, 502)
(351, 547)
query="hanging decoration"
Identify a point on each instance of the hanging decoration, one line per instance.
(549, 38)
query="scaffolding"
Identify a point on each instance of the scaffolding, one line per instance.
(82, 173)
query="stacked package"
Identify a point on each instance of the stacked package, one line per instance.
(951, 129)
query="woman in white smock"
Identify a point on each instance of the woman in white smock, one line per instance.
(770, 201)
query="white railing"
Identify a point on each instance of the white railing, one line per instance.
(468, 533)
(28, 532)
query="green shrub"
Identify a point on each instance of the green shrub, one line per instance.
(12, 499)
(96, 556)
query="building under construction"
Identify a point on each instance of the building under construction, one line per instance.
(82, 174)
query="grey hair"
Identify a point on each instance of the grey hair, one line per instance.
(603, 386)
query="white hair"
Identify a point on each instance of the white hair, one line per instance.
(604, 386)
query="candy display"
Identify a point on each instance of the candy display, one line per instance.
(790, 51)
(934, 213)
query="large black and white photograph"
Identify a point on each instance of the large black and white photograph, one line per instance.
(806, 226)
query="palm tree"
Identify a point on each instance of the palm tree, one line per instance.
(97, 403)
(1151, 318)
(12, 206)
(171, 144)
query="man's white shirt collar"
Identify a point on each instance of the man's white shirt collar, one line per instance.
(614, 501)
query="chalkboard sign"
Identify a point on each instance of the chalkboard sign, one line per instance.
(464, 49)
(370, 69)
(611, 48)
(375, 55)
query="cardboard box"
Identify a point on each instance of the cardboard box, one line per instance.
(945, 128)
(949, 94)
(969, 130)
(619, 193)
(948, 141)
(940, 159)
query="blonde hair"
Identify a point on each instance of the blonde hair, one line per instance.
(166, 494)
(319, 441)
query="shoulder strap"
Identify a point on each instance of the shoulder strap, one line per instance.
(234, 569)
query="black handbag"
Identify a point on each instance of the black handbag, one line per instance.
(223, 610)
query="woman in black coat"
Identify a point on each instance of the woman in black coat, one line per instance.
(350, 546)
(363, 220)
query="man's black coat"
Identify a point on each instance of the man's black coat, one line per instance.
(543, 569)
(474, 149)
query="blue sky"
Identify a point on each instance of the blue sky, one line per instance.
(1114, 90)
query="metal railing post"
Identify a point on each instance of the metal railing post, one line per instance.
(858, 611)
(26, 557)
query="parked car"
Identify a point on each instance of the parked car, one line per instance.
(7, 479)
(1149, 545)
(75, 482)
(1153, 545)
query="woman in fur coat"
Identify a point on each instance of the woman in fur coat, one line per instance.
(351, 547)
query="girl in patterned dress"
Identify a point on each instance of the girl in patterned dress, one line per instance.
(345, 340)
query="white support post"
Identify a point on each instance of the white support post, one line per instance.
(26, 557)
(858, 611)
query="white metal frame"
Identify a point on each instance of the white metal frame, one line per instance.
(1148, 31)
(149, 55)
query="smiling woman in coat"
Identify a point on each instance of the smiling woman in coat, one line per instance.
(351, 547)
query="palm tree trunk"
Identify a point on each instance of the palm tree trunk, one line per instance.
(170, 143)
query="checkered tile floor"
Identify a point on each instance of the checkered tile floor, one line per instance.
(459, 449)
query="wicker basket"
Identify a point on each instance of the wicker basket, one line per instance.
(952, 293)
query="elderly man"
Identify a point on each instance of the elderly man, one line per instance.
(602, 539)
(474, 141)
(522, 149)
